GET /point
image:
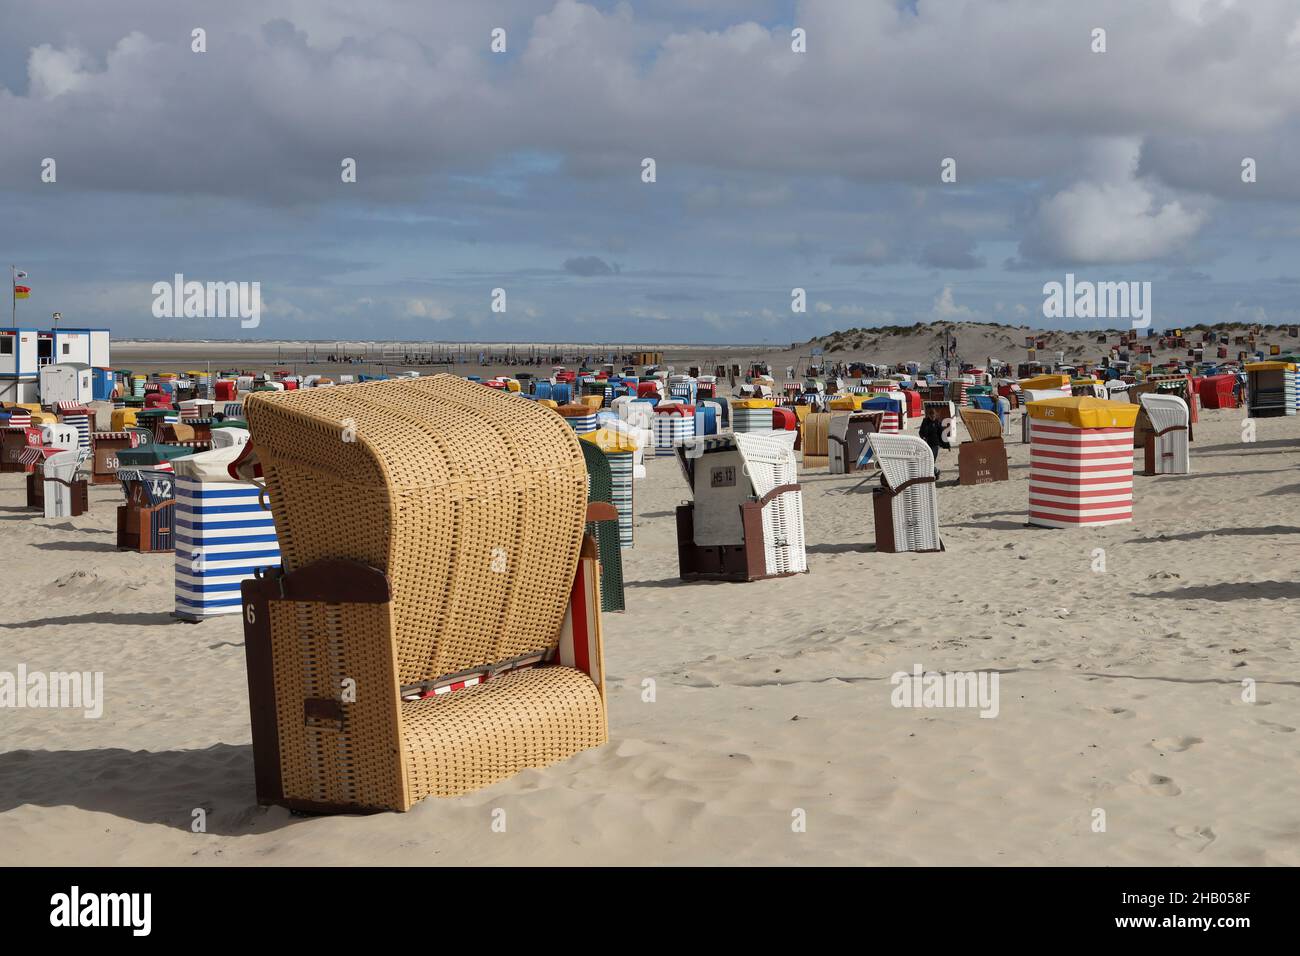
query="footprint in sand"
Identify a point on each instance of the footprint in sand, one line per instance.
(1282, 728)
(1198, 838)
(1175, 744)
(1155, 783)
(1121, 712)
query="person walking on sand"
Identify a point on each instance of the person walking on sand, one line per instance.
(933, 433)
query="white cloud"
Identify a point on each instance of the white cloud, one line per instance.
(54, 72)
(1199, 10)
(769, 162)
(426, 309)
(945, 309)
(602, 88)
(1115, 217)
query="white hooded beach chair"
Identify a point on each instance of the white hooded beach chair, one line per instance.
(229, 437)
(773, 468)
(906, 504)
(1167, 451)
(61, 435)
(746, 521)
(59, 472)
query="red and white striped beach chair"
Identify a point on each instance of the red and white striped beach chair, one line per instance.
(1081, 462)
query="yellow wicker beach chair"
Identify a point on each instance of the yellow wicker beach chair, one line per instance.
(814, 431)
(983, 459)
(982, 425)
(436, 625)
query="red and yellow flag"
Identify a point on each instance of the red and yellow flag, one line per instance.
(22, 292)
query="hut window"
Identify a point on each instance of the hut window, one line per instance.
(7, 345)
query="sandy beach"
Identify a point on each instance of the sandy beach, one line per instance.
(736, 710)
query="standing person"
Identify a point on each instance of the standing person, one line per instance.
(933, 434)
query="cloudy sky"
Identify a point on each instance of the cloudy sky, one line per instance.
(522, 170)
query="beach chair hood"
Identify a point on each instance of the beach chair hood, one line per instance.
(433, 481)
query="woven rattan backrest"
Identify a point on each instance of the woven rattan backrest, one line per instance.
(471, 501)
(981, 424)
(815, 429)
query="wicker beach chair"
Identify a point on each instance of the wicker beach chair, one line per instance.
(815, 440)
(906, 505)
(983, 459)
(600, 489)
(981, 425)
(435, 627)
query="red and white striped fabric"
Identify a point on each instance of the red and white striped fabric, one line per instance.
(135, 437)
(19, 418)
(76, 408)
(1080, 476)
(580, 643)
(465, 679)
(889, 424)
(454, 685)
(959, 396)
(36, 454)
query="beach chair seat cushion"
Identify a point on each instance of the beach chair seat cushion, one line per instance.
(465, 740)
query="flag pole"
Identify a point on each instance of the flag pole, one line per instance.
(13, 295)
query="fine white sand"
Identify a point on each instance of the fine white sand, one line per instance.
(1119, 691)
